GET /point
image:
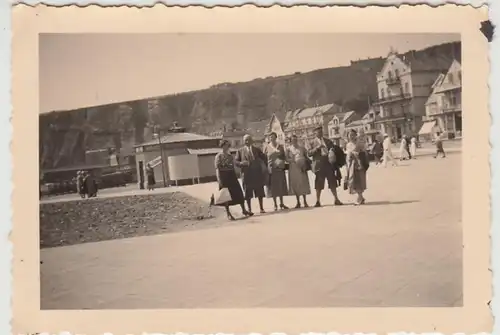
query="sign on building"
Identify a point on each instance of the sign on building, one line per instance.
(155, 162)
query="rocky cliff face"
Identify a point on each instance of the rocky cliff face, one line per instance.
(65, 136)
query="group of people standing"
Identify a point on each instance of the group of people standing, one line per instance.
(263, 172)
(86, 184)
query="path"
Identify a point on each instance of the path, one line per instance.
(404, 248)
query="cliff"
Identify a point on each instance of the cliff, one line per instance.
(66, 135)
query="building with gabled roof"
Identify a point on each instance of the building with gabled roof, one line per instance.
(404, 85)
(443, 108)
(303, 122)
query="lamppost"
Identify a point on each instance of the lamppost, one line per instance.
(157, 132)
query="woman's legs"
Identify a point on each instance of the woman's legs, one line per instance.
(275, 204)
(298, 201)
(228, 212)
(305, 201)
(282, 205)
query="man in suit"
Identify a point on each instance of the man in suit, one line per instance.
(253, 164)
(322, 168)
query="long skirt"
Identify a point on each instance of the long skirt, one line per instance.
(357, 181)
(151, 180)
(277, 183)
(298, 181)
(229, 180)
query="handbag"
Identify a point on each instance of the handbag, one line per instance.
(222, 197)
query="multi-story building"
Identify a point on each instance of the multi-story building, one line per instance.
(443, 109)
(404, 85)
(450, 95)
(337, 125)
(367, 124)
(302, 122)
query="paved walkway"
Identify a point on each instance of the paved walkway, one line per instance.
(404, 248)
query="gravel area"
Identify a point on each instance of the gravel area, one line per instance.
(92, 220)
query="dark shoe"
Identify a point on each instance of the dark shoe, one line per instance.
(297, 205)
(282, 206)
(262, 211)
(338, 203)
(306, 205)
(230, 217)
(247, 213)
(318, 204)
(275, 208)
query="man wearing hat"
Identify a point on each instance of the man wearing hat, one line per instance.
(326, 163)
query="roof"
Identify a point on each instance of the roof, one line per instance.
(435, 86)
(356, 123)
(177, 138)
(209, 151)
(437, 63)
(292, 114)
(311, 111)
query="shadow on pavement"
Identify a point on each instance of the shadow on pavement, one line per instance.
(375, 203)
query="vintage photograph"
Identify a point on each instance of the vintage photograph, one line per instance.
(233, 171)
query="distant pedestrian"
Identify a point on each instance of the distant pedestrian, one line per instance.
(377, 151)
(226, 177)
(413, 147)
(407, 148)
(80, 185)
(90, 185)
(298, 180)
(276, 159)
(439, 147)
(388, 156)
(150, 173)
(403, 152)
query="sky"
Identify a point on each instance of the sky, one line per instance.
(82, 70)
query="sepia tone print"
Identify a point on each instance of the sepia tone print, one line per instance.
(335, 184)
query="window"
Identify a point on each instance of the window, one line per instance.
(389, 111)
(460, 75)
(407, 88)
(450, 78)
(389, 74)
(382, 93)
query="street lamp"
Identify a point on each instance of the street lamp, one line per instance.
(157, 132)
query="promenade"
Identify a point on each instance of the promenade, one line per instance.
(403, 248)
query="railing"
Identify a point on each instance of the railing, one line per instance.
(393, 80)
(393, 98)
(452, 108)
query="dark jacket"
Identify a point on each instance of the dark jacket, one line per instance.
(253, 175)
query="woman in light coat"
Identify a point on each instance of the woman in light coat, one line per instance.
(403, 154)
(413, 147)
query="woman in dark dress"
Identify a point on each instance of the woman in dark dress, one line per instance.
(226, 177)
(151, 177)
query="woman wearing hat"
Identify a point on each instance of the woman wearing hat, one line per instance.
(226, 177)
